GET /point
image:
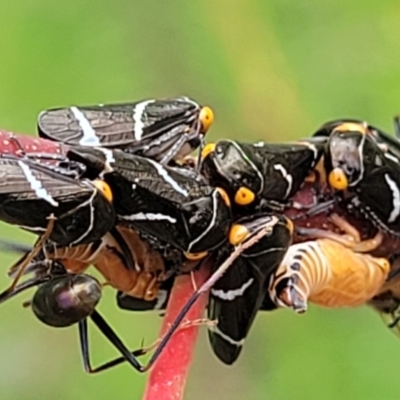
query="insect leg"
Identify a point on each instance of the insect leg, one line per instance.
(174, 150)
(203, 289)
(360, 246)
(127, 355)
(27, 260)
(7, 295)
(84, 342)
(350, 239)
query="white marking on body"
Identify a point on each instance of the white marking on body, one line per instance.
(32, 228)
(396, 198)
(259, 144)
(89, 134)
(109, 160)
(212, 223)
(36, 185)
(90, 202)
(227, 338)
(6, 142)
(311, 147)
(167, 178)
(230, 295)
(148, 217)
(360, 157)
(161, 299)
(390, 157)
(186, 99)
(137, 118)
(264, 252)
(288, 177)
(252, 165)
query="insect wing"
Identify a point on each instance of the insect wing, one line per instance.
(153, 128)
(30, 193)
(170, 205)
(233, 304)
(286, 166)
(173, 205)
(237, 296)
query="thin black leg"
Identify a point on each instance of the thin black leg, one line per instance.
(127, 355)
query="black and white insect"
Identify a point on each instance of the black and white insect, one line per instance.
(237, 296)
(170, 206)
(367, 173)
(67, 295)
(65, 299)
(259, 175)
(159, 129)
(389, 144)
(30, 193)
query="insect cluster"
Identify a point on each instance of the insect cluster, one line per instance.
(112, 186)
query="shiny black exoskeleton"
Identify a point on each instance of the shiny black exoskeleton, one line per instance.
(64, 299)
(159, 129)
(362, 164)
(237, 296)
(259, 176)
(30, 193)
(173, 205)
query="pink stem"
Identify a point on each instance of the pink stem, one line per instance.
(168, 376)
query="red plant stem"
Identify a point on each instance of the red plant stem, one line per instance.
(168, 376)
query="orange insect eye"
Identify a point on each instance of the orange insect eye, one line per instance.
(224, 196)
(208, 148)
(104, 189)
(237, 234)
(244, 196)
(338, 180)
(195, 256)
(206, 118)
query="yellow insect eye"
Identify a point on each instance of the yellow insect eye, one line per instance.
(338, 180)
(104, 189)
(206, 118)
(195, 256)
(244, 196)
(208, 148)
(237, 234)
(224, 196)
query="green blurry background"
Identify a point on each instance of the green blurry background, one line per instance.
(271, 70)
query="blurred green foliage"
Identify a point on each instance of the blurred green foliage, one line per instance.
(271, 69)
